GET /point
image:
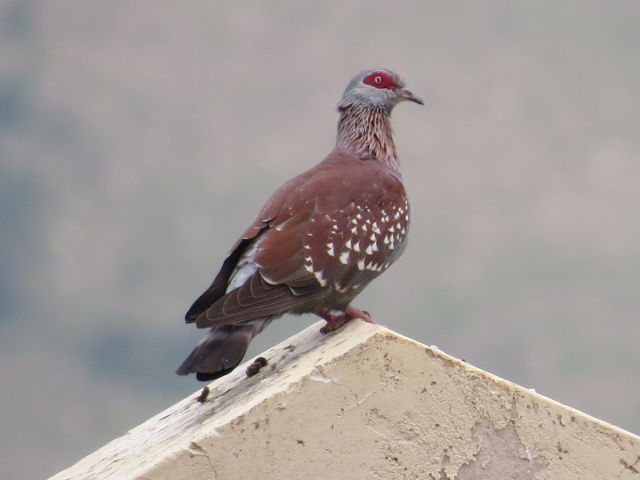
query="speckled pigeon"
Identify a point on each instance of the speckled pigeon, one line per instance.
(319, 239)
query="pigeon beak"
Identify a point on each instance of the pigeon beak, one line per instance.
(405, 94)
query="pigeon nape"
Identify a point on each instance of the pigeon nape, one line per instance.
(318, 240)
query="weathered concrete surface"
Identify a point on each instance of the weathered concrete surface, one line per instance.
(366, 403)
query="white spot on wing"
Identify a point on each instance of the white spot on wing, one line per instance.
(321, 280)
(344, 257)
(330, 251)
(372, 266)
(339, 288)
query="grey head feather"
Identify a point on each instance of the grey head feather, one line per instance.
(368, 96)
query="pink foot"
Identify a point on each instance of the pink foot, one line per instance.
(357, 313)
(336, 319)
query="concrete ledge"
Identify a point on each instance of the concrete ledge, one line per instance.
(365, 403)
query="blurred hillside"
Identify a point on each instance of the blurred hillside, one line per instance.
(138, 139)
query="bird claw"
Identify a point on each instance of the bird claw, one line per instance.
(335, 320)
(361, 314)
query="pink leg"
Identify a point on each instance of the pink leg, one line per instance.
(336, 319)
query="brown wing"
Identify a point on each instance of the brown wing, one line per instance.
(328, 239)
(218, 287)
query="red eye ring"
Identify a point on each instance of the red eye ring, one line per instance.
(379, 79)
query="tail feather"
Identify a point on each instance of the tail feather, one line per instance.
(221, 350)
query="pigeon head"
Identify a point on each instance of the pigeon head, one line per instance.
(379, 88)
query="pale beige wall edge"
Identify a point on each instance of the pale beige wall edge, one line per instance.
(366, 403)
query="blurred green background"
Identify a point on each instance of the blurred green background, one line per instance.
(138, 139)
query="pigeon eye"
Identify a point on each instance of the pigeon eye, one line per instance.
(379, 79)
